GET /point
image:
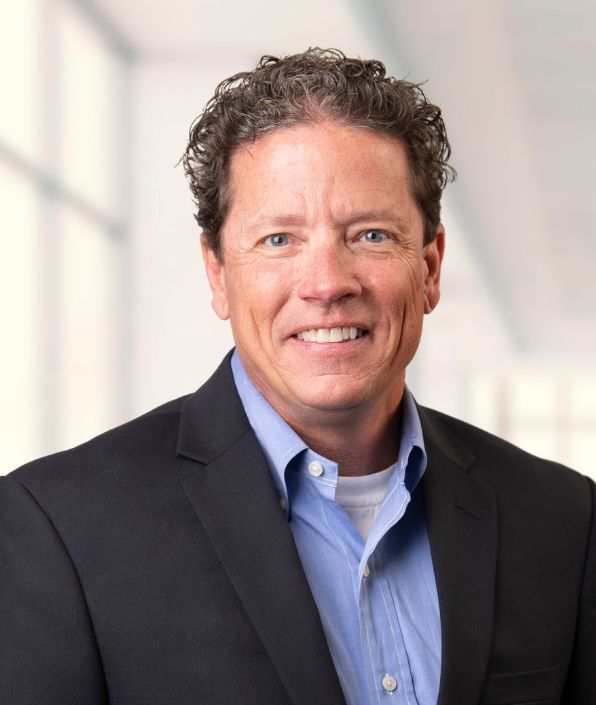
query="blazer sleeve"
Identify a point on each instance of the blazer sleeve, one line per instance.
(580, 688)
(48, 653)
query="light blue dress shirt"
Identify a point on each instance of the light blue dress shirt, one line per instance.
(377, 599)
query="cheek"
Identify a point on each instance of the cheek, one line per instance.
(398, 288)
(256, 293)
(416, 283)
(275, 277)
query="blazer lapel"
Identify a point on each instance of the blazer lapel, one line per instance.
(233, 495)
(462, 526)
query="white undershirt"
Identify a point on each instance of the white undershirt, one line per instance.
(361, 497)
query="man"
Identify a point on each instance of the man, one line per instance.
(298, 530)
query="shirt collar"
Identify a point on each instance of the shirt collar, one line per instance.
(281, 444)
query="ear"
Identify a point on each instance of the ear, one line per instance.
(432, 255)
(216, 276)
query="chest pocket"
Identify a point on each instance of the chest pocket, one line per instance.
(537, 687)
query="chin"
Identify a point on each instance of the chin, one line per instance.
(331, 398)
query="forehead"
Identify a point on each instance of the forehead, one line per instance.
(326, 162)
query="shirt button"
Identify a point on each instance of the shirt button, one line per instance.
(366, 570)
(389, 683)
(315, 468)
(283, 504)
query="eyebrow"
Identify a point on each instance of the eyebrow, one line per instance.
(278, 220)
(283, 220)
(376, 214)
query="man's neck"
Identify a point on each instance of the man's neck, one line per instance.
(360, 443)
(362, 438)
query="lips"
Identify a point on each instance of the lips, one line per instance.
(330, 335)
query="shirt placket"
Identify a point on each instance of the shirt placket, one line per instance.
(348, 544)
(387, 667)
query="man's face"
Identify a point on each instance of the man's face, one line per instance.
(324, 277)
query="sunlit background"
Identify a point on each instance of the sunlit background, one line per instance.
(105, 312)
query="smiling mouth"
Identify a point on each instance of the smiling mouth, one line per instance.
(330, 335)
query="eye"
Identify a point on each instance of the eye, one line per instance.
(277, 240)
(374, 236)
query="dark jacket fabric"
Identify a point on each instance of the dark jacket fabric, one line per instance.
(153, 566)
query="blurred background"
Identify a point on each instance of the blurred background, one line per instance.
(105, 311)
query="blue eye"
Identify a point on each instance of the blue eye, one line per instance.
(374, 236)
(277, 240)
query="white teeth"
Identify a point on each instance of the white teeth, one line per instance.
(329, 335)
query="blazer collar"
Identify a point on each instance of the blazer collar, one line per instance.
(212, 419)
(233, 495)
(461, 516)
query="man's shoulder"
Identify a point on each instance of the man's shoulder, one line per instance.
(142, 442)
(147, 451)
(498, 461)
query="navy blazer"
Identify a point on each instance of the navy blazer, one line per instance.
(153, 566)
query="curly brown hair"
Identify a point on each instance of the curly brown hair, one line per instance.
(306, 88)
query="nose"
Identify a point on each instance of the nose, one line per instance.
(328, 274)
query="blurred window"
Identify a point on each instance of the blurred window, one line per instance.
(89, 327)
(86, 111)
(62, 226)
(20, 62)
(20, 296)
(550, 413)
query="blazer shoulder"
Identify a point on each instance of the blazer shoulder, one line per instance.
(138, 442)
(143, 453)
(500, 461)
